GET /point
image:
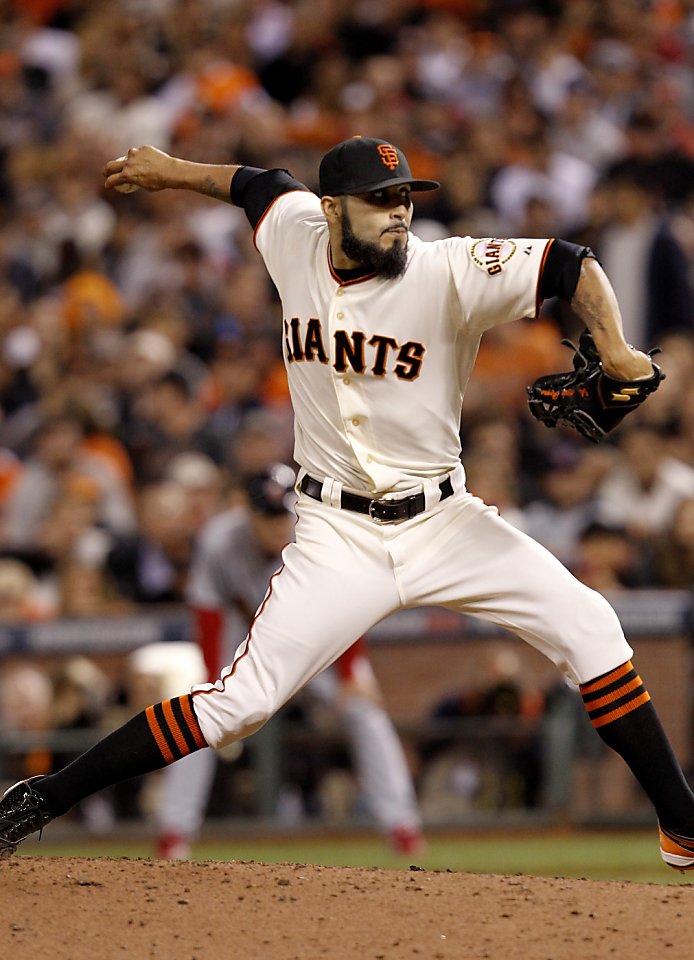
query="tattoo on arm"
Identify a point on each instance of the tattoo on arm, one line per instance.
(594, 300)
(212, 188)
(590, 307)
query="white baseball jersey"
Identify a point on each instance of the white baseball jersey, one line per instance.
(377, 370)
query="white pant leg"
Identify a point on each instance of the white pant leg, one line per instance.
(465, 557)
(336, 582)
(185, 791)
(380, 764)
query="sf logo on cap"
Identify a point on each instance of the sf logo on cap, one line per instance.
(389, 155)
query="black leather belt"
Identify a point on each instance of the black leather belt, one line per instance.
(382, 511)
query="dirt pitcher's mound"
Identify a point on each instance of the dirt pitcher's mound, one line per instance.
(70, 909)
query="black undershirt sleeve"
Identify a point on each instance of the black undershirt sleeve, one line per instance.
(561, 269)
(254, 190)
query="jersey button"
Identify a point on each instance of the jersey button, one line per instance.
(369, 459)
(339, 292)
(356, 421)
(346, 381)
(340, 316)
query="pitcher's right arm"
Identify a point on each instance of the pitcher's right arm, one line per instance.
(152, 169)
(253, 189)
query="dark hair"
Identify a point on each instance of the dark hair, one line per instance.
(272, 492)
(176, 380)
(597, 528)
(632, 173)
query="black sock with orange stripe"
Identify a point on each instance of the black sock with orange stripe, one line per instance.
(154, 738)
(621, 711)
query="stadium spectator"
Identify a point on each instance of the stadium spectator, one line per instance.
(646, 485)
(606, 558)
(646, 264)
(566, 504)
(202, 482)
(26, 707)
(22, 599)
(561, 180)
(150, 566)
(673, 550)
(169, 421)
(59, 467)
(463, 771)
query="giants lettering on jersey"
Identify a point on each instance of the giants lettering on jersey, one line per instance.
(379, 354)
(492, 254)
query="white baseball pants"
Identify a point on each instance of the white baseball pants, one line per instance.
(346, 572)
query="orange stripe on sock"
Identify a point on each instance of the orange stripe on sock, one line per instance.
(192, 722)
(158, 735)
(622, 711)
(615, 695)
(174, 728)
(607, 679)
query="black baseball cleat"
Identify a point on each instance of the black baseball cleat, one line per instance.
(22, 812)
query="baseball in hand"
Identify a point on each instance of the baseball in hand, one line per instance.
(126, 187)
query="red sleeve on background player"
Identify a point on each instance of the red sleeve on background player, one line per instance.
(209, 623)
(345, 663)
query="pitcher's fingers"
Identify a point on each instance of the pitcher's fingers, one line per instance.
(113, 166)
(116, 180)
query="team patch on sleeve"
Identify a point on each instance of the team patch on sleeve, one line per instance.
(491, 254)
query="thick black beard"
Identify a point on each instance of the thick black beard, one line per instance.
(388, 264)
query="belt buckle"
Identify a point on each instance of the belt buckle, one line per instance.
(402, 509)
(376, 504)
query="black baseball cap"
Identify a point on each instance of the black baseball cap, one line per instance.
(272, 492)
(363, 164)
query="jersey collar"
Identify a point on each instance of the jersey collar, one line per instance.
(346, 278)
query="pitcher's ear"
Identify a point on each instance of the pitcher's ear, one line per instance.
(332, 208)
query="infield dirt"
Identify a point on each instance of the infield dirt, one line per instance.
(101, 909)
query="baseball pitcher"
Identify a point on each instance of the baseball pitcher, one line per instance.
(380, 333)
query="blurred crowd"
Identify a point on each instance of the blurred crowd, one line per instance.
(140, 362)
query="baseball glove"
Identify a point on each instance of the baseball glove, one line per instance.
(585, 398)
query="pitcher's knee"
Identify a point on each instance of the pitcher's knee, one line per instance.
(599, 612)
(242, 729)
(224, 719)
(594, 641)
